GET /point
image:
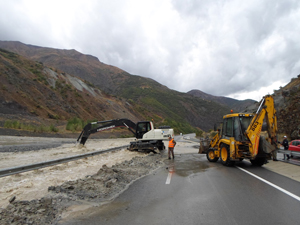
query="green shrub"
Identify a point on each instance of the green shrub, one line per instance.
(53, 128)
(75, 124)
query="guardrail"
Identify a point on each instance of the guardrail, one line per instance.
(288, 152)
(22, 169)
(291, 154)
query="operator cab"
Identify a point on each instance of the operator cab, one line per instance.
(142, 128)
(235, 125)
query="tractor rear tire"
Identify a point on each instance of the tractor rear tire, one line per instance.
(225, 155)
(210, 155)
(258, 161)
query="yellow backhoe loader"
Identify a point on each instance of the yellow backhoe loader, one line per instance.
(241, 136)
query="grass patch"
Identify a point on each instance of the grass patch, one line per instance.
(75, 124)
(14, 124)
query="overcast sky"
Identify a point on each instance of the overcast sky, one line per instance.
(234, 48)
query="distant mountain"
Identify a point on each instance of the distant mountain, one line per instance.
(147, 98)
(235, 105)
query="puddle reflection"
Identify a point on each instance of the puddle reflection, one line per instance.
(185, 166)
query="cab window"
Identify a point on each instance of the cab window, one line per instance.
(142, 127)
(228, 127)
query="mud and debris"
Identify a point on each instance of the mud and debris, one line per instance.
(96, 187)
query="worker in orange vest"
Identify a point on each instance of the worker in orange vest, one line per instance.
(172, 144)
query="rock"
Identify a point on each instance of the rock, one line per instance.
(41, 210)
(104, 166)
(51, 188)
(28, 208)
(12, 199)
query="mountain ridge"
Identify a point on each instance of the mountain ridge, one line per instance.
(236, 105)
(146, 98)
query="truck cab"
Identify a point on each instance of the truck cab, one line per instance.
(235, 125)
(142, 128)
(146, 131)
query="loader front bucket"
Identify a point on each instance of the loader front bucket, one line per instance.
(204, 146)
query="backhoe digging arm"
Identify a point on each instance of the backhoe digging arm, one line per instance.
(265, 110)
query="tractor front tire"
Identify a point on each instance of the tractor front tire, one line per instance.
(210, 155)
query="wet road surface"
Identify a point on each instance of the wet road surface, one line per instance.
(190, 190)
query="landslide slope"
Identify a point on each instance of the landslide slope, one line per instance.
(34, 92)
(149, 99)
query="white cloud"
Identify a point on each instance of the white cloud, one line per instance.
(227, 48)
(257, 94)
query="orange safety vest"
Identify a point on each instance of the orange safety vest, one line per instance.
(171, 143)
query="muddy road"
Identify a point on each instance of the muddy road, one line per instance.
(43, 196)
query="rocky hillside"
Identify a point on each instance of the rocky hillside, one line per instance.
(288, 100)
(149, 99)
(34, 92)
(86, 67)
(287, 105)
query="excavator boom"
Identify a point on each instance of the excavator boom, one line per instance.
(108, 124)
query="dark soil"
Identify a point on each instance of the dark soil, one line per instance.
(98, 188)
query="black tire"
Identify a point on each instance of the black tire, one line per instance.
(160, 145)
(225, 155)
(210, 155)
(258, 161)
(133, 147)
(130, 148)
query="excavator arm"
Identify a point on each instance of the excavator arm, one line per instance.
(105, 125)
(265, 110)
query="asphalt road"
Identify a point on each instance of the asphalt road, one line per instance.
(190, 190)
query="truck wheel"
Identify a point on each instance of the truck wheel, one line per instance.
(225, 156)
(210, 155)
(258, 161)
(132, 147)
(160, 145)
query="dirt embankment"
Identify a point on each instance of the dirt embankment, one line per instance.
(103, 186)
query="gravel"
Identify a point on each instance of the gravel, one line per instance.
(97, 188)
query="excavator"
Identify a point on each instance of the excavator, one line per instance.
(241, 136)
(147, 137)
